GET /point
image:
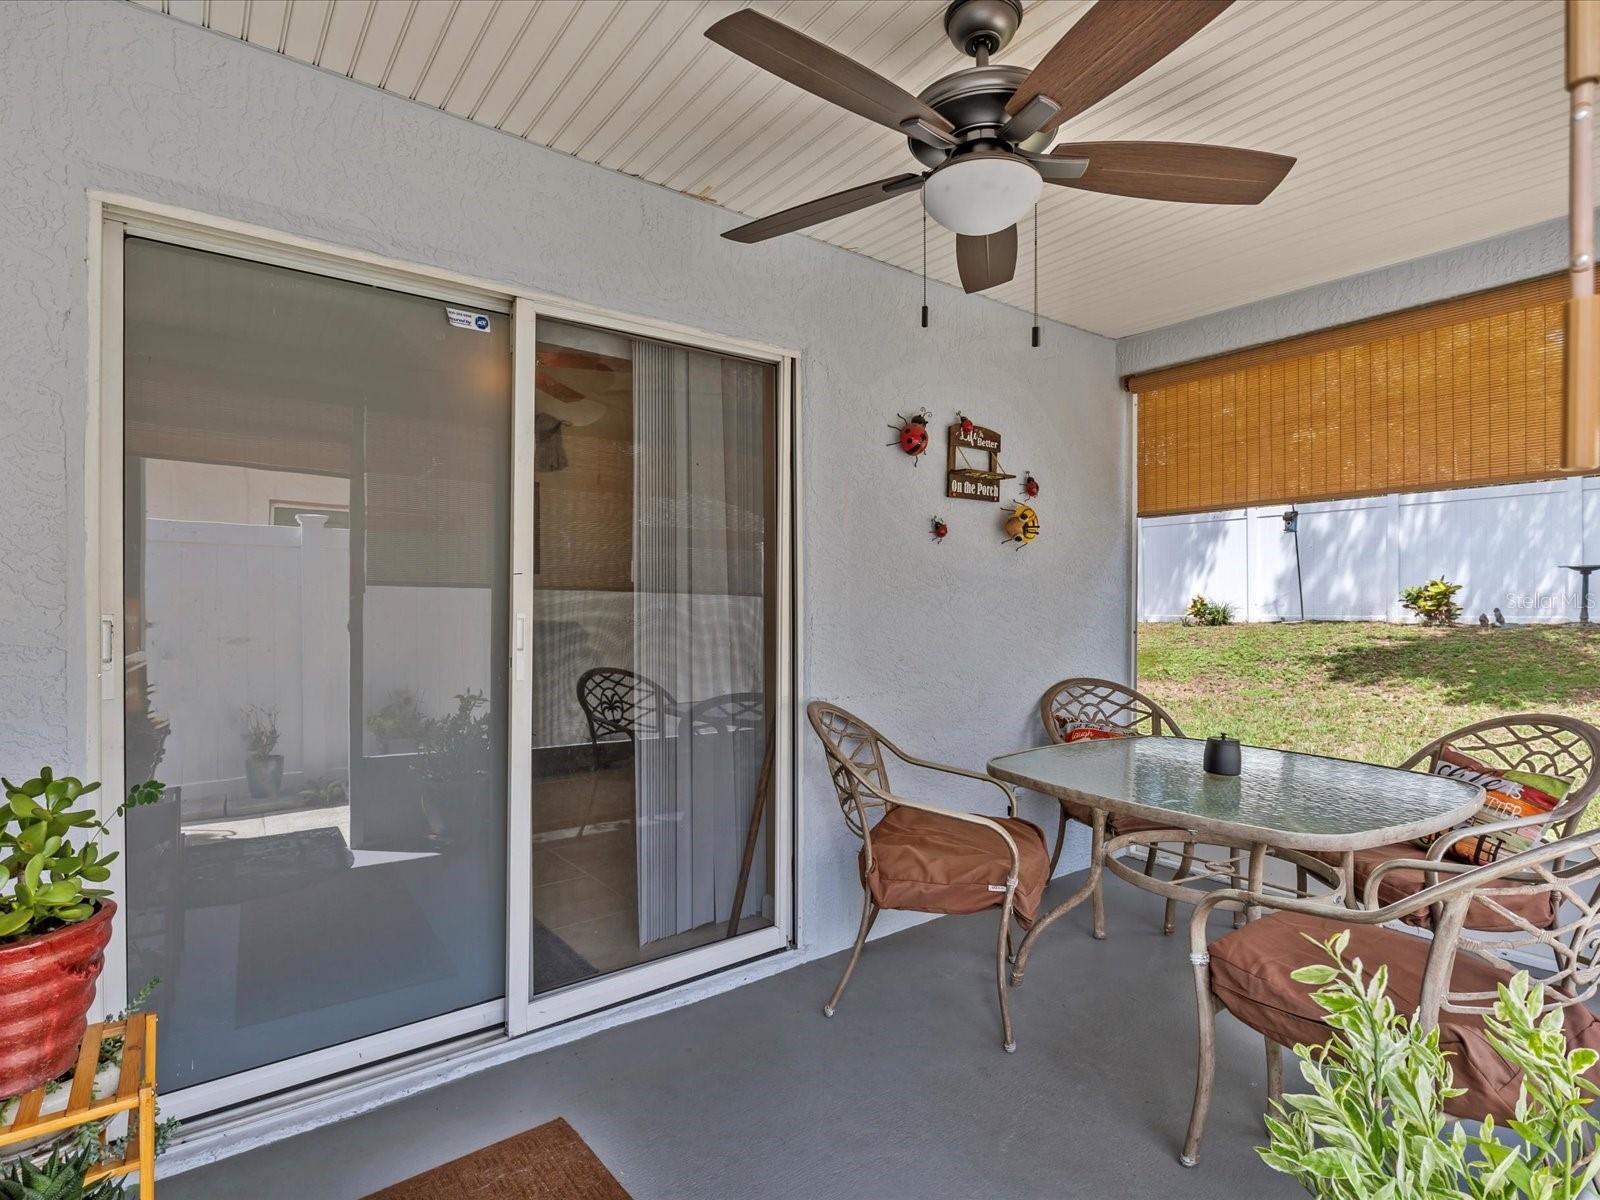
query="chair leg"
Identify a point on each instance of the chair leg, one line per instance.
(1302, 883)
(1274, 1073)
(1061, 840)
(1150, 860)
(1097, 851)
(1185, 865)
(1205, 1067)
(1003, 942)
(1236, 881)
(869, 914)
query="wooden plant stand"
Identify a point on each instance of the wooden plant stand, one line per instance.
(135, 1095)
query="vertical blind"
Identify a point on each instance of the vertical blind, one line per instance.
(1464, 392)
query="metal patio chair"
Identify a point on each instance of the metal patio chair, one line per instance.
(622, 705)
(921, 857)
(1447, 980)
(1087, 707)
(1543, 743)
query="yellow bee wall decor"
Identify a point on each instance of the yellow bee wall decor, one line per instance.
(1021, 525)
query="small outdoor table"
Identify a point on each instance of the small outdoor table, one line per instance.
(1296, 805)
(1584, 570)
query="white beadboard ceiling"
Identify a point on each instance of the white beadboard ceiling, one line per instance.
(1418, 124)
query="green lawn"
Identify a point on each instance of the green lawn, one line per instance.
(1364, 690)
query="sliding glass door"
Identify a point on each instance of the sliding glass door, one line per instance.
(316, 485)
(456, 634)
(655, 639)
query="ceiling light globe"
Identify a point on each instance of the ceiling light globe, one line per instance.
(980, 194)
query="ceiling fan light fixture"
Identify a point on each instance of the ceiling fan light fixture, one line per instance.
(982, 193)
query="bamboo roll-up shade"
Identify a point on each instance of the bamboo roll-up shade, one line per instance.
(1464, 392)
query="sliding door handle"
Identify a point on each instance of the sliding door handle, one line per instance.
(108, 657)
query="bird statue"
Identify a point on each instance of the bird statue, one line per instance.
(1499, 617)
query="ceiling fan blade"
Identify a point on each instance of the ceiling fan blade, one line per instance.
(825, 208)
(1188, 172)
(986, 262)
(555, 388)
(823, 71)
(1113, 43)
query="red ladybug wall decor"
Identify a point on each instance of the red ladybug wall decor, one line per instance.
(912, 433)
(939, 529)
(1030, 485)
(966, 423)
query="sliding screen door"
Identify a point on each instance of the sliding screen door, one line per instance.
(317, 481)
(654, 650)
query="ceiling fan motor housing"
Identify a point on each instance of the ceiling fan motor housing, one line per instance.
(974, 101)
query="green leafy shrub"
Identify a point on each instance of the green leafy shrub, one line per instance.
(1373, 1125)
(1434, 601)
(50, 852)
(400, 719)
(1207, 612)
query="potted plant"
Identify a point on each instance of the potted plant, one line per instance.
(452, 764)
(263, 769)
(1373, 1123)
(54, 925)
(400, 724)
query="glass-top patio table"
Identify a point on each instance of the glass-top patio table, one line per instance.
(1296, 805)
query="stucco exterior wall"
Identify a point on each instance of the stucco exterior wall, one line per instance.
(947, 645)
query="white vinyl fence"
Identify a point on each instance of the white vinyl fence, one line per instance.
(1506, 545)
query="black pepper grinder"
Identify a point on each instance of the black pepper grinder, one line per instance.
(1222, 755)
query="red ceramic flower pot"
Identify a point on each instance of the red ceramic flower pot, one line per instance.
(46, 987)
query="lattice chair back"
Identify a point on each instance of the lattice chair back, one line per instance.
(855, 763)
(621, 703)
(728, 714)
(1088, 703)
(1542, 743)
(1571, 867)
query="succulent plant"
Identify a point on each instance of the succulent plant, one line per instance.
(50, 852)
(60, 1176)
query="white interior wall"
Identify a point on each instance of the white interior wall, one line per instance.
(946, 645)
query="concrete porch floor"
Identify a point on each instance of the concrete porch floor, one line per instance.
(753, 1095)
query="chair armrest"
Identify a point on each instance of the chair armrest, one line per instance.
(1315, 908)
(1432, 866)
(1545, 821)
(1444, 891)
(891, 798)
(929, 764)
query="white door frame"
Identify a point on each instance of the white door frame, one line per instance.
(111, 218)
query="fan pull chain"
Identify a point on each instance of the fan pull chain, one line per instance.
(924, 259)
(1035, 275)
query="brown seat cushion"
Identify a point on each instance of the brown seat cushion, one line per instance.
(1539, 909)
(1250, 976)
(929, 862)
(1083, 814)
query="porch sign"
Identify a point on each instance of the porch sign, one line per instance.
(965, 480)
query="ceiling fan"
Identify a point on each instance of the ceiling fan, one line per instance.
(985, 132)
